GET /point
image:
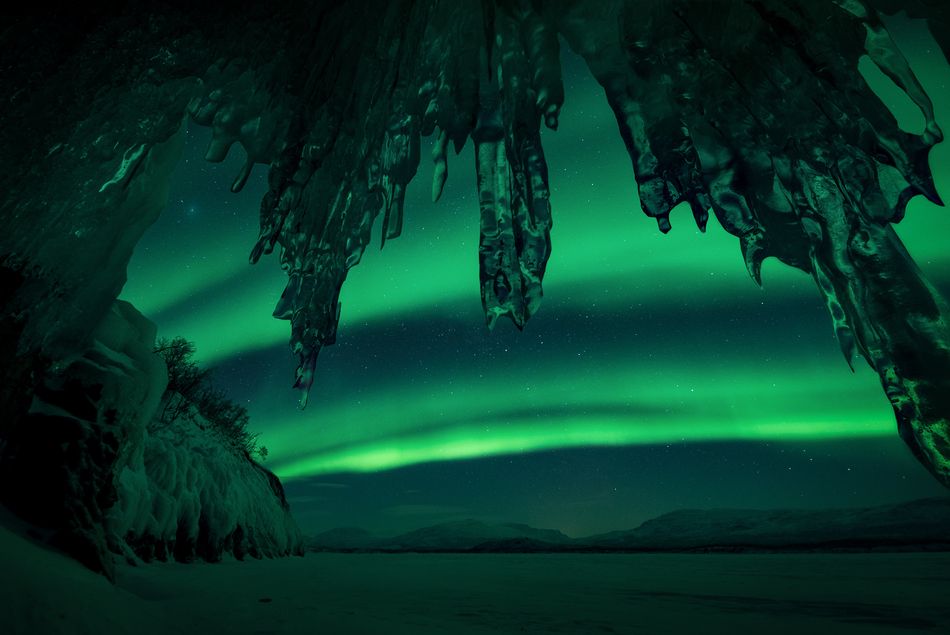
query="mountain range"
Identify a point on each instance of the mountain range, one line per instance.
(916, 525)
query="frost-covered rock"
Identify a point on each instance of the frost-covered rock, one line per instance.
(87, 414)
(83, 463)
(189, 494)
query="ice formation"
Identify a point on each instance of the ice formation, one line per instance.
(752, 111)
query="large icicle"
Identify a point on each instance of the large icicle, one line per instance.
(512, 173)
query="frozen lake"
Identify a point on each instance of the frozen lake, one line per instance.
(585, 594)
(459, 594)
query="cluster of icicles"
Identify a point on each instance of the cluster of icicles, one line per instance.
(752, 111)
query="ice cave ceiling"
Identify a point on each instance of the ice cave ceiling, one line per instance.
(752, 112)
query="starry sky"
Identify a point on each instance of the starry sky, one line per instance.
(656, 375)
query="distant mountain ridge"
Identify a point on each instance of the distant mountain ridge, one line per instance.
(451, 536)
(466, 534)
(919, 522)
(915, 525)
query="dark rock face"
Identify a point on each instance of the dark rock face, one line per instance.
(63, 446)
(60, 476)
(751, 111)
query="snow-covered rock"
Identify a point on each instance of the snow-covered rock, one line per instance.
(189, 494)
(84, 462)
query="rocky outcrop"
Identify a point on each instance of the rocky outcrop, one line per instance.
(187, 494)
(86, 412)
(81, 462)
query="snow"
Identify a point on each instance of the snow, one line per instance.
(462, 594)
(46, 592)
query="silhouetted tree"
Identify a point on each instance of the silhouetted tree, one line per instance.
(190, 389)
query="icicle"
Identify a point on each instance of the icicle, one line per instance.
(543, 52)
(441, 170)
(130, 163)
(241, 179)
(885, 54)
(753, 253)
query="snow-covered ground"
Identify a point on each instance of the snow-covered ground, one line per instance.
(461, 594)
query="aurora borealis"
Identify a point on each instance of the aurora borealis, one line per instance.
(656, 374)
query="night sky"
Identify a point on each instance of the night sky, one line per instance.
(655, 376)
